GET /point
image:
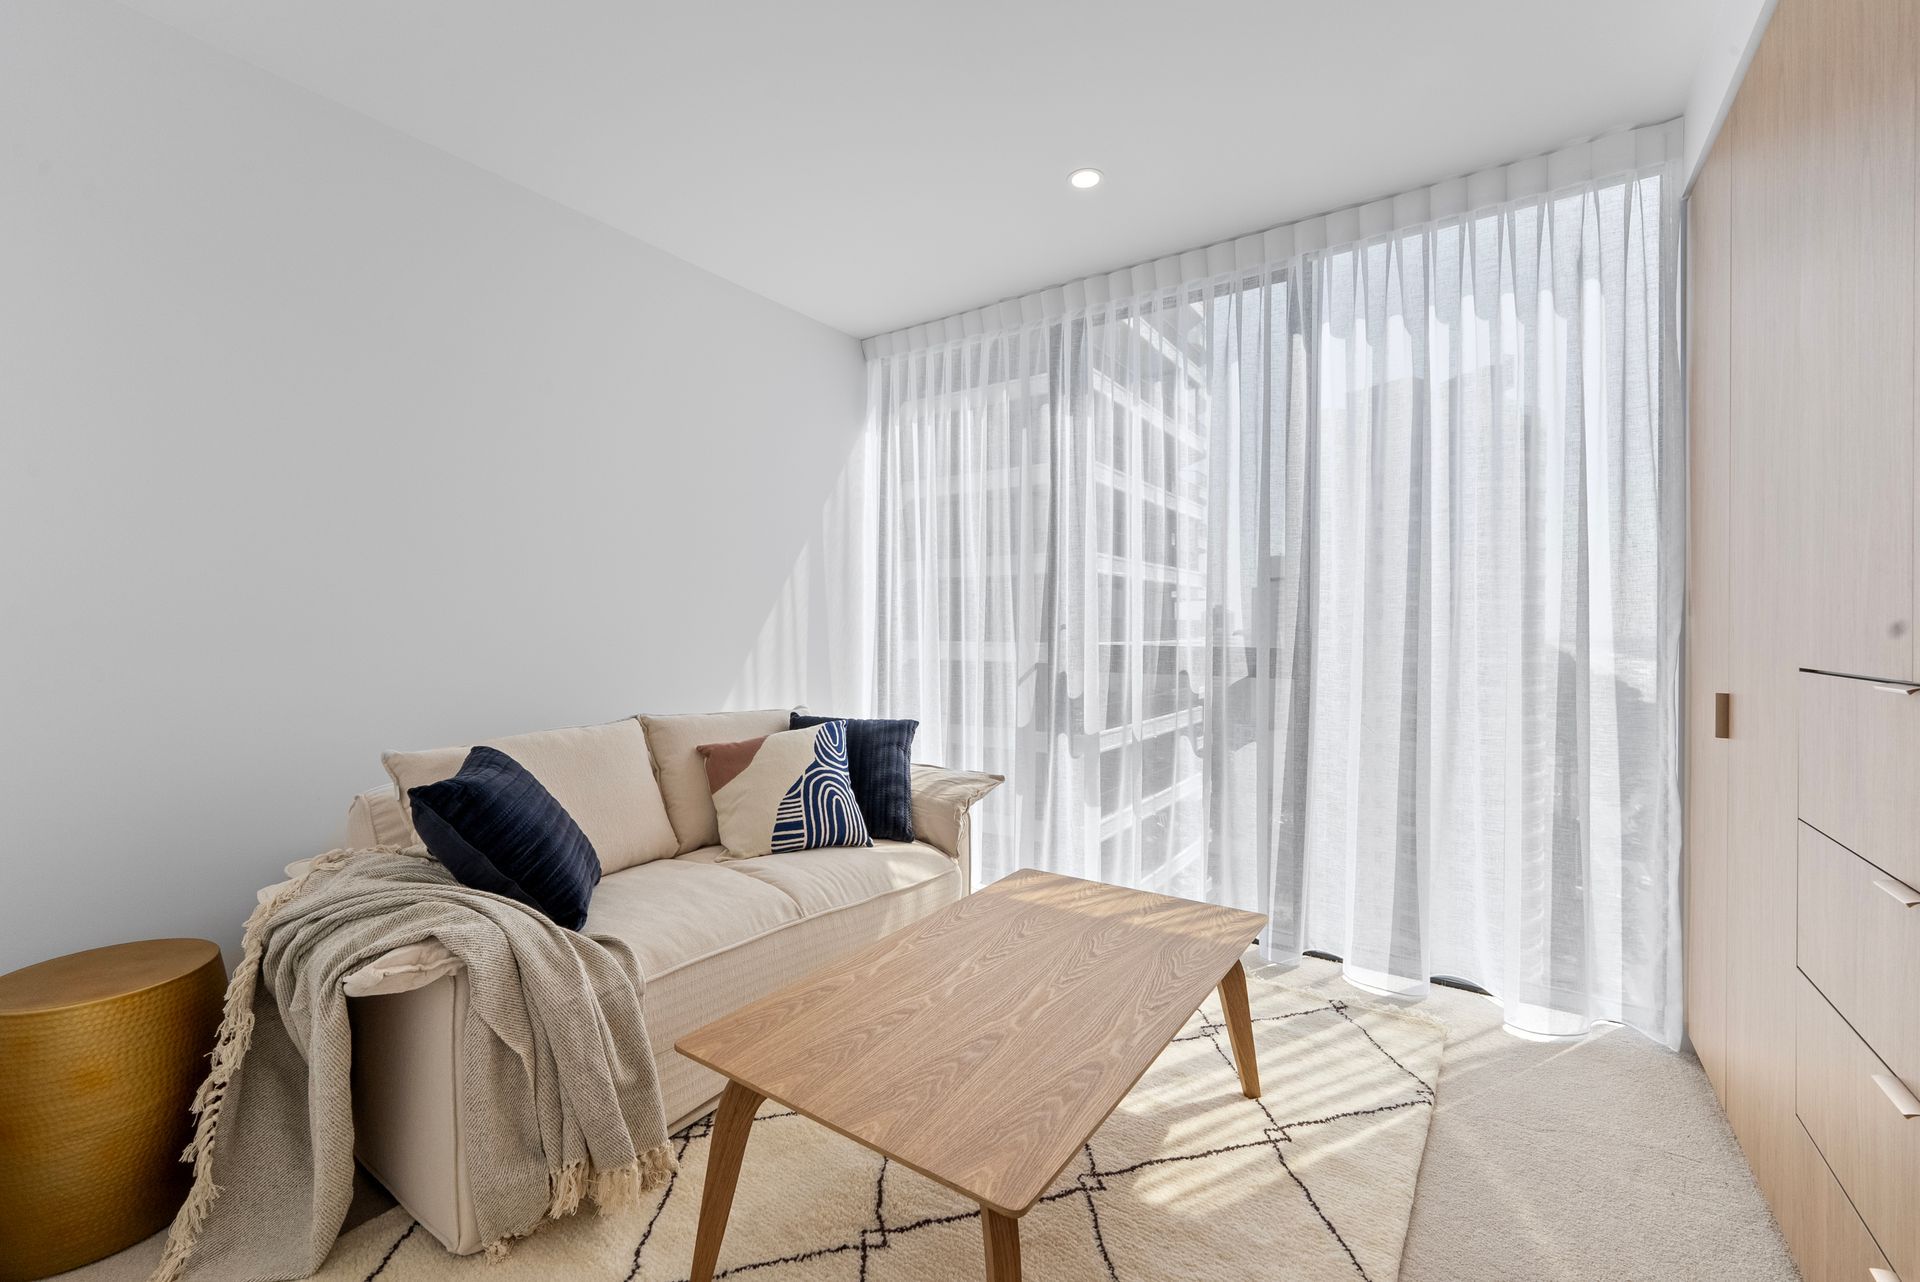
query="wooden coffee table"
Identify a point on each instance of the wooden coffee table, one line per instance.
(981, 1046)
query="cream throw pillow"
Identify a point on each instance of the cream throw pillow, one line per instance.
(601, 775)
(682, 772)
(785, 792)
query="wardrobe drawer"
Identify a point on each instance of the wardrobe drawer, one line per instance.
(1845, 1098)
(1859, 942)
(1860, 768)
(1830, 1244)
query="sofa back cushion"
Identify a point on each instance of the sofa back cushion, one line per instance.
(682, 771)
(601, 775)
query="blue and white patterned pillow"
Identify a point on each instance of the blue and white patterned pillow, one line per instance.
(786, 791)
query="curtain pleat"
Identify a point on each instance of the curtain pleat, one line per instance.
(1343, 585)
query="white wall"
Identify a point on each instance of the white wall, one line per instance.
(1737, 28)
(314, 441)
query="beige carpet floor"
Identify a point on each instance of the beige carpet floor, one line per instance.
(1602, 1159)
(1605, 1158)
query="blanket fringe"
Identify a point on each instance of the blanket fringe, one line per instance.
(229, 1048)
(624, 1187)
(618, 1188)
(566, 1189)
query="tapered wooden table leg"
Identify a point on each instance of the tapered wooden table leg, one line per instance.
(1233, 1001)
(732, 1122)
(1003, 1246)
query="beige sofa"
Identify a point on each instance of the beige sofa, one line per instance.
(710, 935)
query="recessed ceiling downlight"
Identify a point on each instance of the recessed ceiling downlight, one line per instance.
(1084, 178)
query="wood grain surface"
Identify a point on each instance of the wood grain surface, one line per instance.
(984, 1044)
(1709, 622)
(1001, 1235)
(1861, 948)
(1233, 1005)
(732, 1124)
(1769, 264)
(1873, 1152)
(1859, 755)
(1830, 1242)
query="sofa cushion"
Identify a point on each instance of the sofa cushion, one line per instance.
(823, 880)
(694, 994)
(674, 911)
(601, 774)
(682, 771)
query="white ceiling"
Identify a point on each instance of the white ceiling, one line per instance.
(875, 163)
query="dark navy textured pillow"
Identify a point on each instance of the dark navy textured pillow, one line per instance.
(497, 828)
(880, 759)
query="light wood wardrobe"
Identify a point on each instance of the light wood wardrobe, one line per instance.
(1803, 716)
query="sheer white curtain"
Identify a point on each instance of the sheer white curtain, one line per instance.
(1334, 573)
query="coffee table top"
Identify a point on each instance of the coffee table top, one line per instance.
(982, 1045)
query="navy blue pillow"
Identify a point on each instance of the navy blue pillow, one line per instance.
(497, 828)
(880, 759)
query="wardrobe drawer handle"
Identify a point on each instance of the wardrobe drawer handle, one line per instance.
(1897, 1093)
(1895, 687)
(1882, 1275)
(1903, 894)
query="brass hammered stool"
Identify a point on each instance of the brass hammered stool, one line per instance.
(100, 1054)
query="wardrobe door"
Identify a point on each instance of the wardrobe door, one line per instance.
(1853, 86)
(1708, 624)
(1822, 145)
(1769, 217)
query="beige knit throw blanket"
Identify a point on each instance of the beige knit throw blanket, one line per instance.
(560, 1101)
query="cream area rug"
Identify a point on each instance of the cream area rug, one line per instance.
(1187, 1179)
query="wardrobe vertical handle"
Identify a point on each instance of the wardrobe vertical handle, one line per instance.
(1897, 1093)
(1723, 716)
(1882, 1275)
(1903, 894)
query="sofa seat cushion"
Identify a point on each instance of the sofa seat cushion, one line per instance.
(703, 991)
(674, 911)
(822, 880)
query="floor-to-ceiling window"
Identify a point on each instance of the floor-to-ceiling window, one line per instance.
(1334, 573)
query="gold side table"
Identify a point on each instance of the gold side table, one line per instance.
(100, 1054)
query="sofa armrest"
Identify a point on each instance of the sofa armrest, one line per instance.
(398, 970)
(942, 799)
(403, 969)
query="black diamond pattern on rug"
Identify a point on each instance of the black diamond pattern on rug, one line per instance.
(1313, 1181)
